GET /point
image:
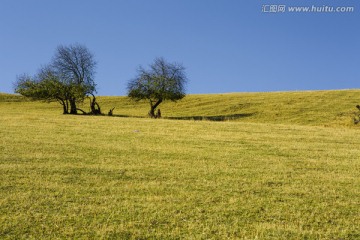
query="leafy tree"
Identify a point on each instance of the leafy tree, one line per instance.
(44, 86)
(163, 81)
(69, 79)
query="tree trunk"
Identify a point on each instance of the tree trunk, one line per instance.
(153, 108)
(73, 109)
(94, 106)
(152, 112)
(67, 106)
(64, 104)
(66, 111)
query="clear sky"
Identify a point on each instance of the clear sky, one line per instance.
(225, 45)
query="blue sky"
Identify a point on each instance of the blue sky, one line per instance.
(225, 45)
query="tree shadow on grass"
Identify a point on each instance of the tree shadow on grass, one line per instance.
(218, 118)
(126, 116)
(121, 115)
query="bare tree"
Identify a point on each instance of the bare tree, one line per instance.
(163, 81)
(75, 66)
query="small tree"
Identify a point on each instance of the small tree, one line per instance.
(163, 81)
(44, 86)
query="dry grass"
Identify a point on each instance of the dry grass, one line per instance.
(138, 178)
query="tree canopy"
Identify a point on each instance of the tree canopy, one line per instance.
(163, 81)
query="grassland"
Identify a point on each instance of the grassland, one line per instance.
(263, 166)
(312, 108)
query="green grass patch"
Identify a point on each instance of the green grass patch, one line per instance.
(259, 176)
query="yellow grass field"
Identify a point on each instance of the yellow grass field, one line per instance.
(222, 166)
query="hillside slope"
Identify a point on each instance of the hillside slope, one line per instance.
(90, 177)
(324, 108)
(315, 108)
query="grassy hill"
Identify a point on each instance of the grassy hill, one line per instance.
(325, 108)
(261, 166)
(316, 108)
